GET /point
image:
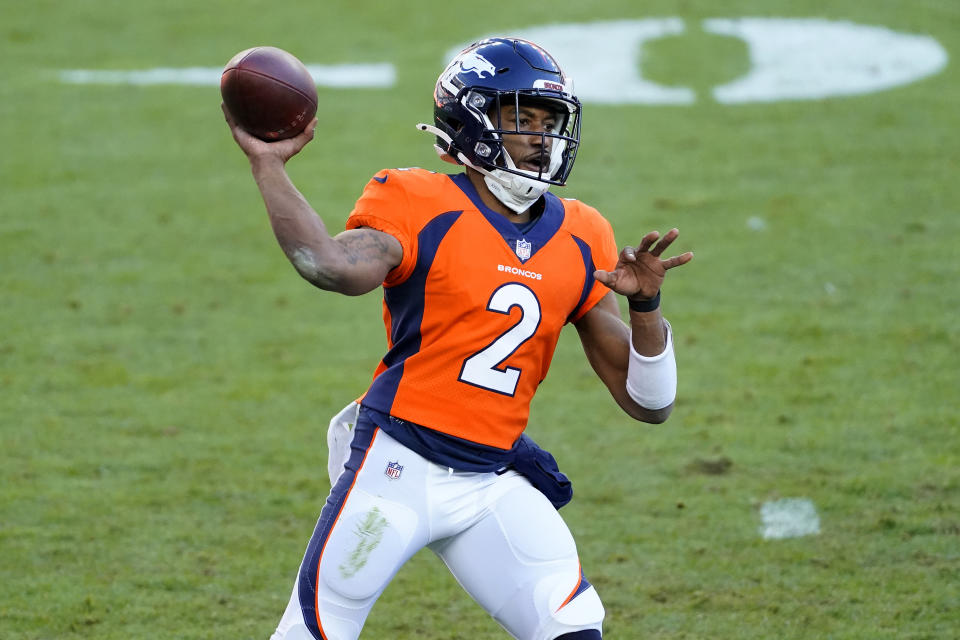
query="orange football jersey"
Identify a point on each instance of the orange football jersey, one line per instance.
(474, 310)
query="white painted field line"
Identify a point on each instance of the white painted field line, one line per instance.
(789, 518)
(337, 76)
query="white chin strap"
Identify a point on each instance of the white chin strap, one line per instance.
(516, 192)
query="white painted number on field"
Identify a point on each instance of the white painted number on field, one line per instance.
(789, 518)
(338, 76)
(794, 59)
(481, 369)
(605, 58)
(790, 58)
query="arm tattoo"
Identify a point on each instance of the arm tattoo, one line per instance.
(360, 264)
(364, 247)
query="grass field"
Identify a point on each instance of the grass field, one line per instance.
(166, 379)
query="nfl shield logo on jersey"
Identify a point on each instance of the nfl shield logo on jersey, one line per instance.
(523, 249)
(393, 470)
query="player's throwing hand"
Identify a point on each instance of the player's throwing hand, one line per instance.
(640, 270)
(255, 147)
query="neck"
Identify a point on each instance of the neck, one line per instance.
(476, 178)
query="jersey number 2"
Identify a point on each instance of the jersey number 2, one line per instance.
(482, 368)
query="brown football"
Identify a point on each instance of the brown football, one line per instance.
(269, 92)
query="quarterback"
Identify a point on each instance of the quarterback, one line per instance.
(480, 271)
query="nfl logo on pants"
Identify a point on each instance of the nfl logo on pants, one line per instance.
(393, 470)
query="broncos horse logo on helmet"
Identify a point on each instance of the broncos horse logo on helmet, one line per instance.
(476, 63)
(468, 96)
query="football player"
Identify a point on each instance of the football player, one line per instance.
(480, 271)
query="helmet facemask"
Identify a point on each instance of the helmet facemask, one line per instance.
(515, 187)
(558, 146)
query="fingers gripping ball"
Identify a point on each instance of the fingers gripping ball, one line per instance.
(269, 92)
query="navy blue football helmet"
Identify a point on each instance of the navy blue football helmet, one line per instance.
(494, 73)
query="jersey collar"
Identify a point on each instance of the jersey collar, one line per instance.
(542, 230)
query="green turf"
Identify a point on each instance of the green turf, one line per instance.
(166, 379)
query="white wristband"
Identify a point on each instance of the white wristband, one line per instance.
(652, 381)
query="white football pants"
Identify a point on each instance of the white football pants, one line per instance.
(500, 537)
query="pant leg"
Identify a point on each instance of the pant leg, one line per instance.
(520, 563)
(371, 524)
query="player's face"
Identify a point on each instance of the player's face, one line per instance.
(529, 149)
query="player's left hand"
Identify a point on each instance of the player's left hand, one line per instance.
(640, 270)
